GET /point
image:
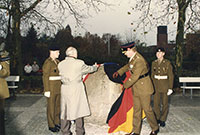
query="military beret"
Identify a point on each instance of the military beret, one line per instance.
(160, 49)
(54, 48)
(126, 46)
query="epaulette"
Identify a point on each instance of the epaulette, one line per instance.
(7, 62)
(166, 61)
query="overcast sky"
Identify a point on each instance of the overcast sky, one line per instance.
(115, 20)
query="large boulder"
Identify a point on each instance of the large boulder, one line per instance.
(102, 93)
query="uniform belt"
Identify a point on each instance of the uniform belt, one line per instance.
(160, 77)
(53, 78)
(142, 76)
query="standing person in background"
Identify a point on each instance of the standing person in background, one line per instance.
(74, 103)
(28, 69)
(163, 78)
(35, 68)
(142, 88)
(52, 88)
(4, 92)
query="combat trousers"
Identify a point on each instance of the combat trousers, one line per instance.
(142, 102)
(161, 106)
(2, 113)
(53, 110)
(66, 125)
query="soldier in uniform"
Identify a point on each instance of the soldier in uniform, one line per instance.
(4, 92)
(162, 76)
(142, 88)
(52, 87)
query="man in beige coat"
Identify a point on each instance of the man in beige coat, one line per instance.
(4, 92)
(52, 88)
(74, 103)
(142, 88)
(163, 78)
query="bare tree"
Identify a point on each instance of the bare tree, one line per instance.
(183, 13)
(20, 14)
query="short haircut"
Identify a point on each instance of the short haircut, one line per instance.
(71, 51)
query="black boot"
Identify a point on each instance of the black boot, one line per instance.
(162, 123)
(54, 129)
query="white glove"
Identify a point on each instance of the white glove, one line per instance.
(170, 91)
(83, 77)
(47, 94)
(1, 67)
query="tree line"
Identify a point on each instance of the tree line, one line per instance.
(15, 15)
(91, 47)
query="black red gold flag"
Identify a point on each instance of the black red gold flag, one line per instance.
(120, 117)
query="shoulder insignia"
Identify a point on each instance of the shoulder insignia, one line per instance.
(7, 62)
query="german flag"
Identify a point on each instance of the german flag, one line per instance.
(120, 117)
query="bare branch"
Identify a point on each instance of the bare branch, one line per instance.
(30, 8)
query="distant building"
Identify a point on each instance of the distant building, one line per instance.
(162, 36)
(162, 40)
(192, 43)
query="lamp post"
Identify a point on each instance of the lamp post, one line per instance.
(108, 36)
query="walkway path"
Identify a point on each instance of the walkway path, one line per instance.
(26, 115)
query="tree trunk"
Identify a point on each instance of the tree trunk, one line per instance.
(10, 46)
(17, 37)
(180, 37)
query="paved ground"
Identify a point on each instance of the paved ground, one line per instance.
(26, 115)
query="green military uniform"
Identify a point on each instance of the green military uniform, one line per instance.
(162, 76)
(4, 92)
(50, 68)
(142, 90)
